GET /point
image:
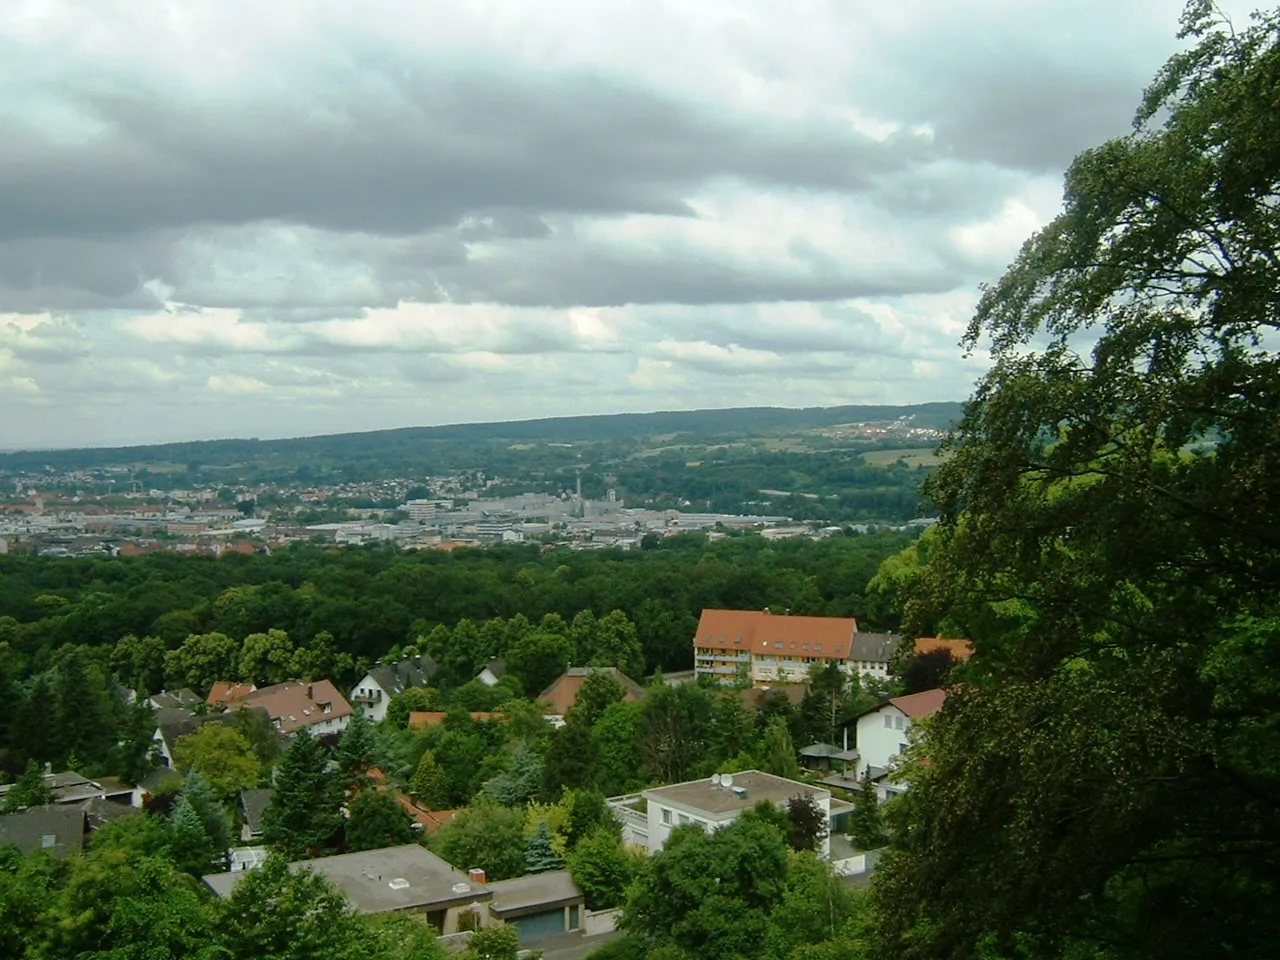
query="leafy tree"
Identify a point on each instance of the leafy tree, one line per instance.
(277, 914)
(585, 813)
(539, 853)
(808, 823)
(709, 894)
(413, 699)
(817, 917)
(602, 869)
(494, 942)
(266, 658)
(377, 820)
(866, 824)
(221, 755)
(617, 644)
(675, 724)
(255, 726)
(926, 671)
(139, 663)
(1103, 782)
(776, 753)
(599, 689)
(202, 659)
(539, 658)
(302, 816)
(570, 758)
(30, 790)
(82, 715)
(615, 746)
(486, 835)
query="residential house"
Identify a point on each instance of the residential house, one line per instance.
(753, 697)
(872, 654)
(316, 705)
(223, 693)
(171, 725)
(769, 648)
(563, 691)
(71, 787)
(403, 879)
(492, 672)
(372, 694)
(253, 803)
(649, 817)
(883, 736)
(183, 699)
(538, 905)
(57, 829)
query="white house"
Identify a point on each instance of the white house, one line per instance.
(373, 693)
(649, 817)
(883, 735)
(492, 672)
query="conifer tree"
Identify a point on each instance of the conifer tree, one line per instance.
(303, 814)
(356, 750)
(197, 792)
(29, 791)
(193, 850)
(539, 852)
(867, 823)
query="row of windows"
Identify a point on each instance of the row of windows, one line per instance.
(681, 819)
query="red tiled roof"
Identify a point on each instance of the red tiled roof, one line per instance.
(563, 691)
(828, 638)
(224, 692)
(920, 704)
(960, 649)
(297, 704)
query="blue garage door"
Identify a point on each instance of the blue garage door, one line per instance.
(537, 925)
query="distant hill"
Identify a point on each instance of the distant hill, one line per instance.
(738, 421)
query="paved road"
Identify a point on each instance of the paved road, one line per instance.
(571, 946)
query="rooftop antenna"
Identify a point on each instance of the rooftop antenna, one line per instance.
(715, 779)
(726, 780)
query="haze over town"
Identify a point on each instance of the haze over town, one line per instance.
(221, 219)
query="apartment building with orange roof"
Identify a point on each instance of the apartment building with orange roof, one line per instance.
(769, 647)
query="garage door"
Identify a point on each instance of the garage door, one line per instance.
(537, 925)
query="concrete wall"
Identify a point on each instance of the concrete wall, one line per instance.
(596, 922)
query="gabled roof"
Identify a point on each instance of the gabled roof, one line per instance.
(563, 691)
(752, 697)
(174, 698)
(496, 668)
(57, 829)
(225, 692)
(180, 723)
(760, 632)
(920, 704)
(254, 804)
(874, 647)
(396, 678)
(297, 704)
(960, 650)
(99, 811)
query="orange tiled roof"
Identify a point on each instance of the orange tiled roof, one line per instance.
(759, 632)
(563, 691)
(921, 704)
(959, 649)
(225, 692)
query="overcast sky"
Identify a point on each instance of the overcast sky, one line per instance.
(236, 218)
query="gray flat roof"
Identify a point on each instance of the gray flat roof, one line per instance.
(715, 800)
(366, 877)
(534, 893)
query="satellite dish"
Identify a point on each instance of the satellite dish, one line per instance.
(726, 780)
(715, 779)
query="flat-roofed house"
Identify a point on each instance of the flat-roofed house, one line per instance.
(713, 803)
(403, 879)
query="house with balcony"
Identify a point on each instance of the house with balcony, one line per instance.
(374, 692)
(770, 648)
(647, 818)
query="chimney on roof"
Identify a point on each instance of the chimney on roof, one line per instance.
(308, 691)
(476, 875)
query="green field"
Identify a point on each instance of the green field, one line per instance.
(913, 457)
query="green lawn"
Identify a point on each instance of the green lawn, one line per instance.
(914, 457)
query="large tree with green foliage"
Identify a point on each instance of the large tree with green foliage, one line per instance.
(486, 835)
(221, 755)
(1104, 781)
(377, 820)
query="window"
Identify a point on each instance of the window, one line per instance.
(573, 917)
(684, 819)
(902, 748)
(666, 816)
(805, 647)
(777, 645)
(898, 723)
(888, 722)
